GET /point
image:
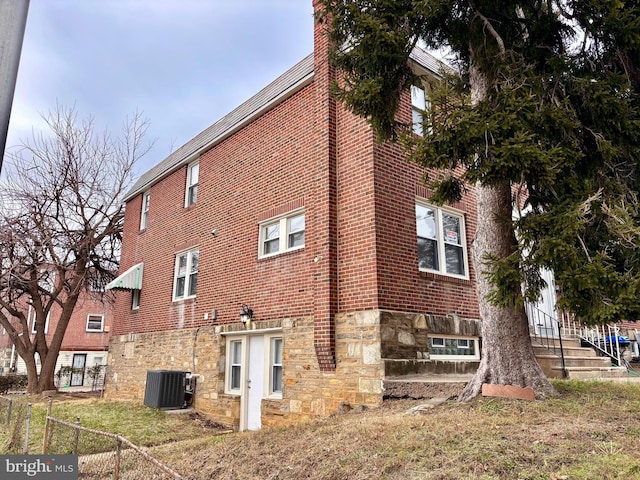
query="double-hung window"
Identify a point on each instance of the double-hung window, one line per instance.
(441, 241)
(282, 234)
(193, 171)
(418, 109)
(235, 365)
(144, 216)
(186, 275)
(95, 322)
(275, 365)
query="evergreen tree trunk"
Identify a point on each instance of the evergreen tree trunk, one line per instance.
(507, 354)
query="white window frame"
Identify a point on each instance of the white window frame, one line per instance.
(135, 299)
(468, 358)
(232, 343)
(286, 233)
(269, 342)
(268, 362)
(101, 329)
(187, 276)
(441, 240)
(31, 314)
(144, 214)
(419, 106)
(193, 179)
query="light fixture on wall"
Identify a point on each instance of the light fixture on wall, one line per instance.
(246, 314)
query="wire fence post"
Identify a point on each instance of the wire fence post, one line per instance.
(76, 437)
(47, 426)
(9, 411)
(116, 473)
(25, 450)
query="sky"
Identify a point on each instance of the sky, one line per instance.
(182, 63)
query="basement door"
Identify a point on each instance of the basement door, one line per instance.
(255, 383)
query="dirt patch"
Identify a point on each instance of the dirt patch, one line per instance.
(421, 390)
(206, 423)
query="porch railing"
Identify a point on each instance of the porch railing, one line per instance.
(605, 339)
(545, 330)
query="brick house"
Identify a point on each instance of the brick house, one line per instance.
(84, 346)
(287, 208)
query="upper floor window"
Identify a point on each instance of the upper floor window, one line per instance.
(441, 241)
(34, 324)
(95, 322)
(144, 216)
(192, 183)
(186, 275)
(135, 299)
(282, 234)
(418, 109)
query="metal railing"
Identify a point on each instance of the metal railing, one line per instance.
(92, 377)
(605, 339)
(544, 329)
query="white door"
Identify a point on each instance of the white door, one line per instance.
(547, 324)
(255, 383)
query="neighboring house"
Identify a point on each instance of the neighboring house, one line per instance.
(288, 209)
(84, 346)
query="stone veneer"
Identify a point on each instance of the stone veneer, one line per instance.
(307, 392)
(405, 343)
(365, 342)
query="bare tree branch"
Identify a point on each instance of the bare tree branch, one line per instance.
(61, 219)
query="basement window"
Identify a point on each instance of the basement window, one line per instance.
(454, 348)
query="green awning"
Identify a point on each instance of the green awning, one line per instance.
(129, 280)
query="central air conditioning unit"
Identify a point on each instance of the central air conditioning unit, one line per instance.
(165, 389)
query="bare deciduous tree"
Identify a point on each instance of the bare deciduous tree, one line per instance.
(61, 218)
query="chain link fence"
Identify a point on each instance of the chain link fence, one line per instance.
(102, 455)
(15, 416)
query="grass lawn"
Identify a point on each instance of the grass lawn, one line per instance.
(136, 422)
(590, 431)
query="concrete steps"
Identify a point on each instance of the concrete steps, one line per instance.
(580, 362)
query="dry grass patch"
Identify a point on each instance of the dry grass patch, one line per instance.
(590, 431)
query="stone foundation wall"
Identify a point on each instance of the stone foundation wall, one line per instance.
(199, 351)
(307, 392)
(405, 342)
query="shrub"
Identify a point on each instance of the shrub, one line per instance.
(12, 382)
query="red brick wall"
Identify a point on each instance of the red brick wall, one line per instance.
(76, 336)
(267, 167)
(360, 247)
